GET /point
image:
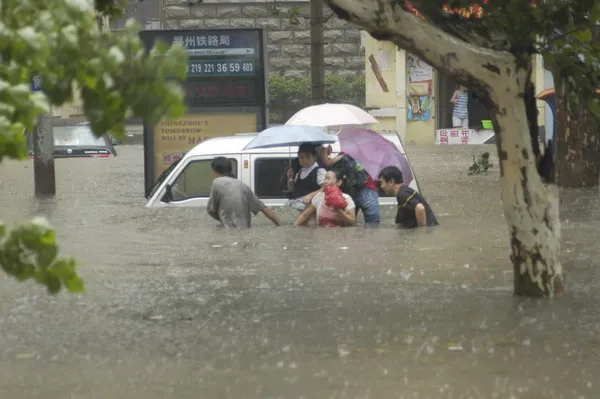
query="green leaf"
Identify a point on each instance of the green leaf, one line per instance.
(583, 36)
(46, 255)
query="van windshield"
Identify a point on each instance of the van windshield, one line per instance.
(162, 177)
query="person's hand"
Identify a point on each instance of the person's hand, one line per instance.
(307, 199)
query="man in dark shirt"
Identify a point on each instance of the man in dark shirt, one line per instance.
(413, 209)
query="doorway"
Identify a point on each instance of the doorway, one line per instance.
(446, 87)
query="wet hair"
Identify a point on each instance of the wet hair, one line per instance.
(307, 148)
(221, 165)
(339, 176)
(391, 173)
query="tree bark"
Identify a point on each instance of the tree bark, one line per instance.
(578, 142)
(530, 206)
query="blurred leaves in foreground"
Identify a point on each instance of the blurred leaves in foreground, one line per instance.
(29, 252)
(59, 42)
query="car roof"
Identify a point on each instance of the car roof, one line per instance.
(235, 144)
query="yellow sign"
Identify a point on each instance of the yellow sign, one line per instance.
(173, 138)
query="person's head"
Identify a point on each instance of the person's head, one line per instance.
(221, 166)
(390, 179)
(307, 155)
(462, 88)
(289, 172)
(333, 178)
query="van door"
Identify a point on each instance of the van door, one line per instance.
(246, 170)
(190, 185)
(267, 177)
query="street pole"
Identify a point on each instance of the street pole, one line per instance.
(317, 52)
(43, 161)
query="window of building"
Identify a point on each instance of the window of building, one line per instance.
(196, 179)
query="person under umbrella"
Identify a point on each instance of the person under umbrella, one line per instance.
(358, 183)
(309, 179)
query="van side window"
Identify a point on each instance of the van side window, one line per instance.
(196, 179)
(267, 177)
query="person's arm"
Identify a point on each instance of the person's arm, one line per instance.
(308, 197)
(348, 216)
(214, 215)
(271, 215)
(454, 98)
(212, 205)
(304, 216)
(326, 161)
(320, 181)
(291, 182)
(421, 215)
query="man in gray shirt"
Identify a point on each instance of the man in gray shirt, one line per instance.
(231, 202)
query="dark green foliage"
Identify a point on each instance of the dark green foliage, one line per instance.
(287, 95)
(481, 164)
(560, 30)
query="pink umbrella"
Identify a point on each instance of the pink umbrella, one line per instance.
(374, 151)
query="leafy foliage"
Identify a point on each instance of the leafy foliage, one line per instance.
(116, 78)
(292, 15)
(30, 252)
(481, 164)
(560, 30)
(287, 95)
(111, 8)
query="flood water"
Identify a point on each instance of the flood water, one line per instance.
(176, 308)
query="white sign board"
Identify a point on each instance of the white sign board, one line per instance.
(462, 136)
(216, 51)
(419, 71)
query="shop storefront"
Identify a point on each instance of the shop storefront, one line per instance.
(408, 96)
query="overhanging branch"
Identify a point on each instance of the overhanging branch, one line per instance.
(387, 20)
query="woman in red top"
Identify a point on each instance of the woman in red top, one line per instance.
(333, 208)
(366, 199)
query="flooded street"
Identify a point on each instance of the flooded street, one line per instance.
(177, 308)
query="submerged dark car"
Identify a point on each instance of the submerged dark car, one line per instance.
(79, 141)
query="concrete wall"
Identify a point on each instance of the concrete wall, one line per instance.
(288, 40)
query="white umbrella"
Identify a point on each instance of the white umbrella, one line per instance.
(280, 136)
(325, 115)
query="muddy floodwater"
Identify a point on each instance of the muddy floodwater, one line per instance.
(177, 308)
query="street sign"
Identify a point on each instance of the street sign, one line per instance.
(225, 92)
(222, 68)
(211, 52)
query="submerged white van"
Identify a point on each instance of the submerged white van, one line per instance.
(187, 182)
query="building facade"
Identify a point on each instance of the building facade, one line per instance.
(409, 97)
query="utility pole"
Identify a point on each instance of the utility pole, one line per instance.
(43, 151)
(43, 163)
(317, 52)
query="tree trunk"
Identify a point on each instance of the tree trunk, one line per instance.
(504, 82)
(530, 206)
(578, 143)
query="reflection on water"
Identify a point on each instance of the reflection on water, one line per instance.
(176, 307)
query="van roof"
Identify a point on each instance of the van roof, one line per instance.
(236, 143)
